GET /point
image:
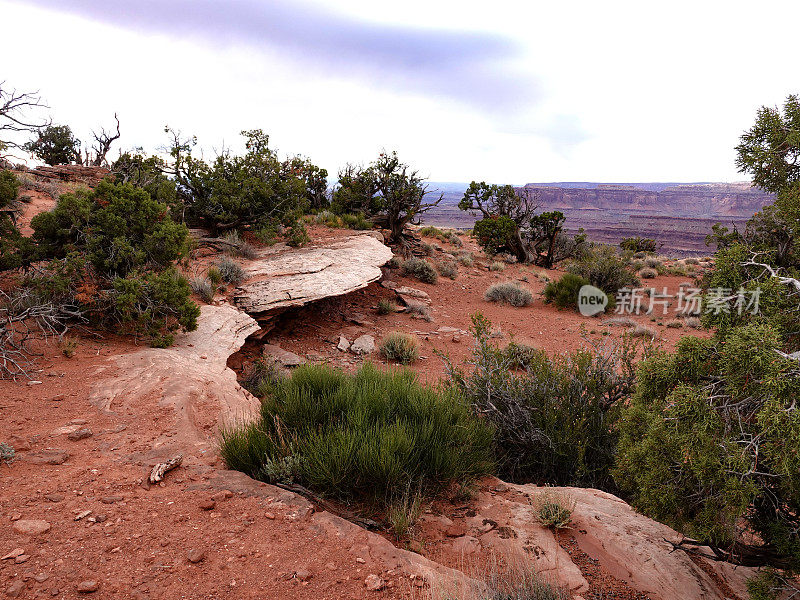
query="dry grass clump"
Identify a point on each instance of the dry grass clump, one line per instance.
(644, 331)
(203, 287)
(68, 345)
(620, 322)
(230, 271)
(465, 258)
(648, 273)
(400, 347)
(675, 324)
(239, 246)
(652, 262)
(497, 266)
(554, 509)
(386, 307)
(447, 269)
(419, 311)
(420, 269)
(694, 323)
(509, 293)
(692, 261)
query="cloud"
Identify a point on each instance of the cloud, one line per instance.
(472, 68)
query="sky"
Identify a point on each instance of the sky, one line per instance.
(506, 91)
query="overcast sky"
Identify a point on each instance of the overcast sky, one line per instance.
(504, 91)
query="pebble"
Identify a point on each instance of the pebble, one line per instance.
(222, 495)
(374, 583)
(80, 434)
(54, 497)
(303, 574)
(207, 505)
(87, 587)
(22, 558)
(195, 555)
(111, 499)
(31, 527)
(269, 515)
(41, 577)
(360, 560)
(15, 589)
(13, 554)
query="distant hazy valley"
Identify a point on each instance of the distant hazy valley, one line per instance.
(677, 215)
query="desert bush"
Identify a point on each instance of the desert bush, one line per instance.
(420, 269)
(602, 267)
(620, 322)
(203, 287)
(356, 221)
(652, 262)
(386, 307)
(368, 436)
(55, 145)
(644, 331)
(648, 273)
(693, 322)
(400, 347)
(426, 248)
(638, 244)
(230, 271)
(509, 293)
(691, 261)
(430, 231)
(214, 276)
(417, 310)
(637, 264)
(553, 509)
(447, 269)
(520, 356)
(260, 377)
(554, 422)
(15, 250)
(497, 266)
(7, 453)
(675, 324)
(466, 259)
(238, 245)
(564, 292)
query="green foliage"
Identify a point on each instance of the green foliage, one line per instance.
(314, 178)
(553, 509)
(369, 436)
(509, 293)
(564, 292)
(420, 269)
(496, 234)
(388, 192)
(648, 273)
(254, 189)
(638, 244)
(544, 230)
(149, 174)
(7, 453)
(400, 347)
(604, 268)
(214, 276)
(297, 235)
(554, 422)
(120, 229)
(15, 250)
(9, 188)
(55, 145)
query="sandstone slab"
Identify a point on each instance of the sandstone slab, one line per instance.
(297, 277)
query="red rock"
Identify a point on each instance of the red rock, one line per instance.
(87, 587)
(195, 555)
(31, 526)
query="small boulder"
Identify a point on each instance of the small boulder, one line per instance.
(79, 434)
(195, 555)
(282, 357)
(364, 344)
(15, 589)
(87, 587)
(373, 583)
(31, 526)
(344, 344)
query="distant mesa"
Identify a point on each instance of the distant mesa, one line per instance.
(679, 215)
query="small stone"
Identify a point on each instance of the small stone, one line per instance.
(87, 587)
(19, 444)
(222, 495)
(31, 383)
(41, 577)
(13, 554)
(15, 589)
(207, 504)
(374, 583)
(50, 456)
(330, 566)
(269, 515)
(344, 344)
(111, 499)
(82, 514)
(457, 529)
(22, 558)
(58, 398)
(55, 591)
(54, 497)
(364, 344)
(100, 518)
(31, 526)
(360, 560)
(303, 574)
(195, 555)
(80, 434)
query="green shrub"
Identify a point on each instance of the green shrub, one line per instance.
(553, 509)
(214, 276)
(386, 307)
(652, 262)
(638, 244)
(496, 234)
(554, 422)
(691, 261)
(430, 231)
(564, 292)
(356, 221)
(602, 267)
(648, 273)
(260, 377)
(400, 347)
(509, 293)
(7, 453)
(420, 269)
(230, 271)
(55, 145)
(366, 437)
(447, 269)
(466, 259)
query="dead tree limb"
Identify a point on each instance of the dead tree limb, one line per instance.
(158, 472)
(102, 145)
